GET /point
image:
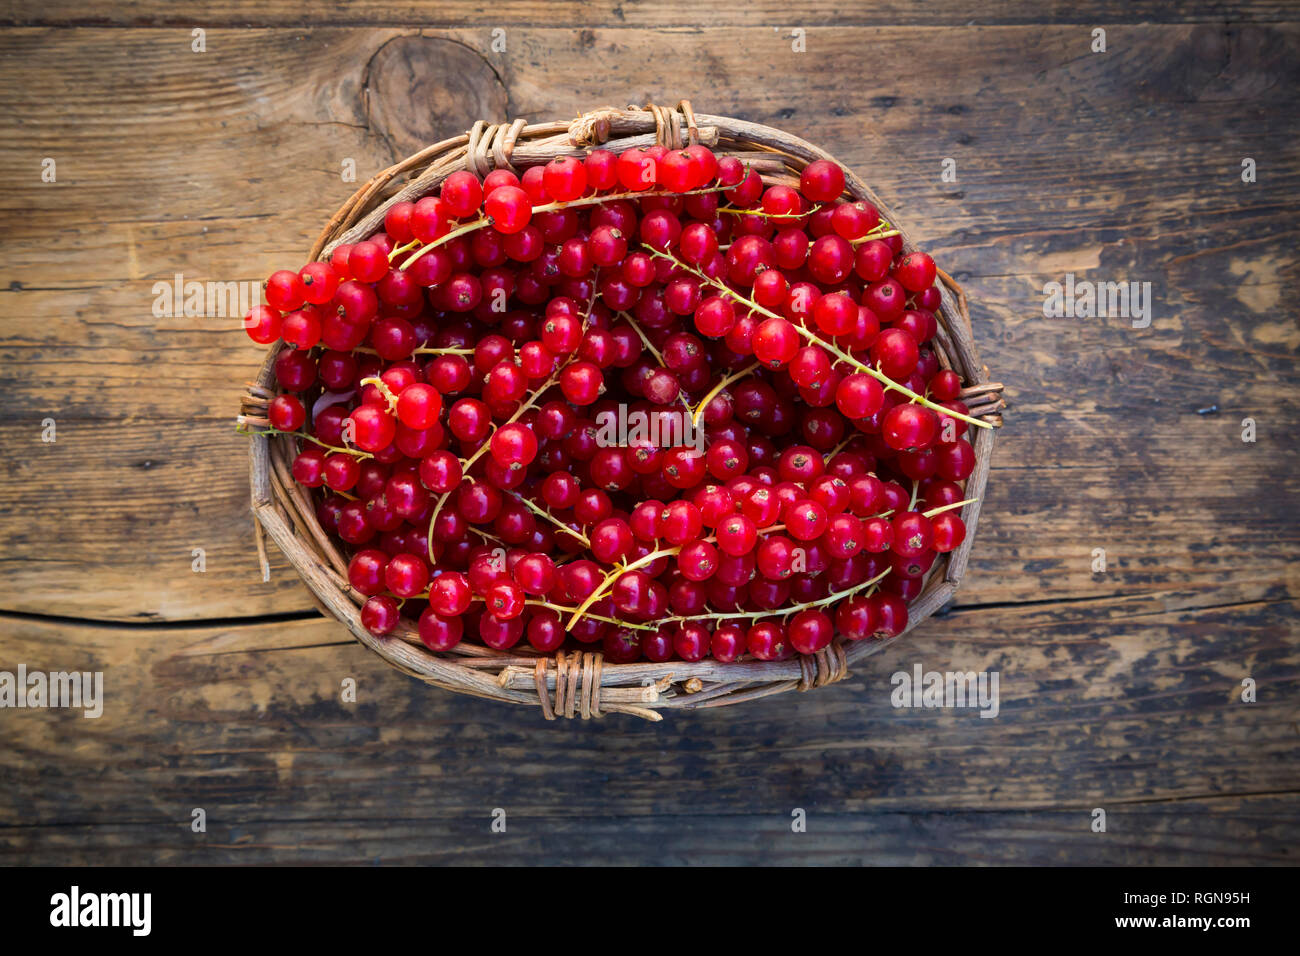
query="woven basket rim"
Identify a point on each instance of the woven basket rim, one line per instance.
(581, 683)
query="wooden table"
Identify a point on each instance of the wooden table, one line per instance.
(1120, 690)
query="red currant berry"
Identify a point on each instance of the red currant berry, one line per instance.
(439, 633)
(262, 324)
(822, 181)
(373, 428)
(366, 571)
(379, 615)
(286, 413)
(510, 210)
(406, 575)
(463, 193)
(857, 618)
(418, 406)
(319, 282)
(767, 641)
(565, 178)
(284, 291)
(915, 272)
(891, 616)
(810, 631)
(449, 594)
(949, 531)
(909, 426)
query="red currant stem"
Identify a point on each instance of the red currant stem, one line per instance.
(622, 569)
(886, 380)
(398, 250)
(818, 340)
(613, 576)
(650, 558)
(956, 504)
(554, 207)
(636, 326)
(361, 455)
(916, 491)
(792, 609)
(441, 240)
(653, 351)
(542, 512)
(487, 536)
(561, 609)
(791, 216)
(532, 400)
(770, 529)
(718, 389)
(422, 351)
(465, 465)
(384, 390)
(882, 231)
(837, 449)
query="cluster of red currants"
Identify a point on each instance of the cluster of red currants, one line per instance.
(447, 376)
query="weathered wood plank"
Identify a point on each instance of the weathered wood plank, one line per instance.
(643, 14)
(1234, 831)
(165, 165)
(1138, 713)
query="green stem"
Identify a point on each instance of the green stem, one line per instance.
(883, 230)
(362, 455)
(837, 449)
(554, 207)
(956, 504)
(734, 211)
(384, 390)
(816, 339)
(613, 576)
(543, 513)
(468, 462)
(645, 340)
(718, 389)
(562, 610)
(786, 611)
(398, 250)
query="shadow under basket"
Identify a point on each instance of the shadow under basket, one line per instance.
(581, 683)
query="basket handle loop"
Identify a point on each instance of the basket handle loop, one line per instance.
(827, 666)
(491, 145)
(668, 125)
(577, 685)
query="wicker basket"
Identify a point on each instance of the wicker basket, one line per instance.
(569, 684)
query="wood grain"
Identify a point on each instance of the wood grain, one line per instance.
(1233, 831)
(644, 14)
(1100, 706)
